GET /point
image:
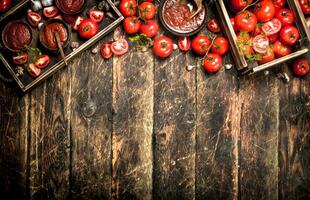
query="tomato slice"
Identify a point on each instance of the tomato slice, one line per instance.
(272, 27)
(33, 18)
(42, 61)
(20, 59)
(77, 22)
(96, 15)
(184, 43)
(105, 49)
(260, 44)
(33, 70)
(50, 11)
(119, 47)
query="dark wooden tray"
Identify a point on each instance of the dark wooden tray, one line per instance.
(25, 81)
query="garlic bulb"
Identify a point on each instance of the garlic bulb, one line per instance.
(36, 5)
(46, 3)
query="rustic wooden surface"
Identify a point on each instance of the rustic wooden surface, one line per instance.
(139, 127)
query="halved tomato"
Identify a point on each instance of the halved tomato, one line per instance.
(96, 15)
(272, 27)
(119, 47)
(20, 59)
(260, 44)
(33, 70)
(33, 18)
(106, 51)
(184, 43)
(42, 61)
(77, 22)
(50, 11)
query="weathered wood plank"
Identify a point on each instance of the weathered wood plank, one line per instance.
(13, 143)
(258, 158)
(91, 127)
(132, 124)
(218, 128)
(174, 128)
(50, 138)
(294, 139)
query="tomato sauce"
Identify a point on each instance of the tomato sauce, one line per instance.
(70, 6)
(17, 35)
(48, 37)
(177, 16)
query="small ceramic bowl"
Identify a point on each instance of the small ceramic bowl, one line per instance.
(176, 31)
(58, 4)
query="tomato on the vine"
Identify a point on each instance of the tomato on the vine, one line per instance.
(220, 45)
(289, 35)
(246, 21)
(212, 62)
(149, 28)
(301, 67)
(88, 28)
(264, 11)
(131, 25)
(238, 5)
(163, 46)
(147, 10)
(305, 6)
(201, 44)
(281, 49)
(286, 16)
(128, 7)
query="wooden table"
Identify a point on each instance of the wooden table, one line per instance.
(137, 127)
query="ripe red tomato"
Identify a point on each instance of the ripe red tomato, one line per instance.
(33, 18)
(233, 23)
(267, 57)
(20, 59)
(200, 44)
(301, 67)
(258, 30)
(289, 35)
(119, 47)
(149, 28)
(281, 49)
(128, 7)
(96, 15)
(88, 28)
(147, 10)
(214, 26)
(5, 5)
(42, 61)
(273, 38)
(212, 62)
(246, 21)
(286, 16)
(260, 44)
(50, 11)
(272, 27)
(279, 4)
(220, 45)
(238, 5)
(163, 46)
(184, 43)
(305, 6)
(264, 11)
(106, 51)
(131, 25)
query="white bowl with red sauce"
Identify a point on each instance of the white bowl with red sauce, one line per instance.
(175, 17)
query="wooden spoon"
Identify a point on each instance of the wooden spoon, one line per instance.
(56, 35)
(198, 6)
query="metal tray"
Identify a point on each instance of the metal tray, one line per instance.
(25, 81)
(250, 67)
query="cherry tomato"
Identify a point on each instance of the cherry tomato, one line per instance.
(69, 18)
(286, 16)
(305, 6)
(106, 51)
(279, 4)
(163, 46)
(281, 49)
(238, 5)
(289, 35)
(33, 18)
(150, 28)
(264, 11)
(301, 67)
(260, 44)
(233, 23)
(220, 45)
(268, 56)
(272, 27)
(5, 5)
(128, 7)
(131, 25)
(184, 43)
(33, 70)
(147, 10)
(96, 15)
(119, 47)
(214, 26)
(201, 44)
(273, 38)
(20, 59)
(77, 22)
(50, 11)
(212, 62)
(246, 21)
(88, 28)
(42, 61)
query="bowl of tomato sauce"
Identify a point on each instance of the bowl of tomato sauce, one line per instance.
(175, 17)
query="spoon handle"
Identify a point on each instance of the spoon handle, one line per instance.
(60, 47)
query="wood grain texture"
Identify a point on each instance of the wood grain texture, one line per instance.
(49, 121)
(132, 124)
(174, 128)
(294, 139)
(218, 120)
(13, 143)
(91, 127)
(258, 153)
